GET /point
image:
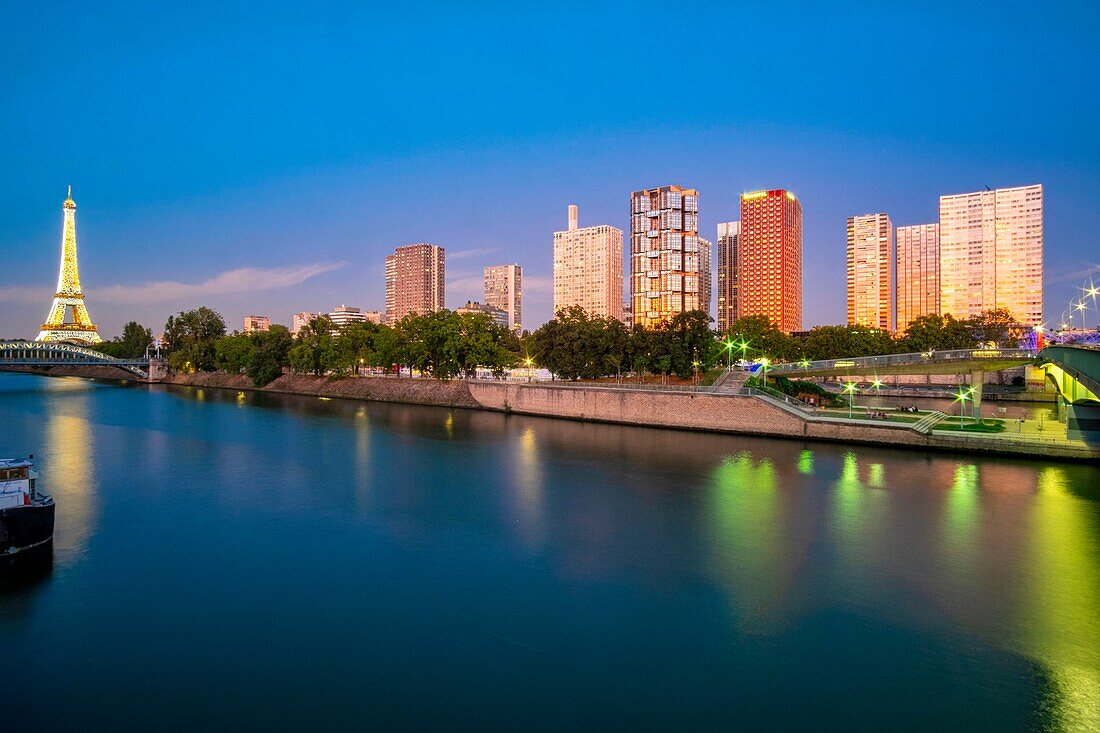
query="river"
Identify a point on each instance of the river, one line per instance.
(256, 562)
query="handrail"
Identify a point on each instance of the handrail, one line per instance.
(920, 357)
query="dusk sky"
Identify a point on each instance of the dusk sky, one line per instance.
(265, 159)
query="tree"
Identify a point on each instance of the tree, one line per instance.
(431, 342)
(938, 332)
(833, 342)
(574, 346)
(314, 351)
(763, 339)
(271, 352)
(190, 338)
(131, 345)
(355, 346)
(997, 326)
(232, 354)
(689, 342)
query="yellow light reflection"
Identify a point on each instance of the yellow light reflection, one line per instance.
(806, 462)
(67, 476)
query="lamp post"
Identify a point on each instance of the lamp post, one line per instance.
(744, 346)
(696, 365)
(1080, 306)
(729, 354)
(850, 388)
(961, 398)
(528, 361)
(764, 368)
(877, 384)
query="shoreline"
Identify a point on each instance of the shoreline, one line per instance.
(681, 410)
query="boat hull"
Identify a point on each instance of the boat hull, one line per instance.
(25, 527)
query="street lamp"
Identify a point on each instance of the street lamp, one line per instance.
(805, 364)
(964, 395)
(1081, 307)
(744, 346)
(850, 388)
(729, 354)
(764, 368)
(528, 361)
(877, 384)
(696, 365)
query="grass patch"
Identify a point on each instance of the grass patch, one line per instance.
(967, 425)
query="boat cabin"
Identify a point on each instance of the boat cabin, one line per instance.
(17, 482)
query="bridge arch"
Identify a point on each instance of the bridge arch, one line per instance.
(42, 353)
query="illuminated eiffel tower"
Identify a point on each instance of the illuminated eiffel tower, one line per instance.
(69, 297)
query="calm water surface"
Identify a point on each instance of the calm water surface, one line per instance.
(255, 562)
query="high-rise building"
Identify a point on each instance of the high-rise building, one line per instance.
(504, 290)
(496, 315)
(871, 271)
(706, 282)
(769, 259)
(342, 315)
(728, 235)
(918, 273)
(302, 319)
(991, 253)
(588, 268)
(415, 281)
(666, 264)
(252, 324)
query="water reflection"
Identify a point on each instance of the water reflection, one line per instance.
(673, 552)
(67, 473)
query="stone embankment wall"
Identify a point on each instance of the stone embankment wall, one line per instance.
(455, 393)
(685, 410)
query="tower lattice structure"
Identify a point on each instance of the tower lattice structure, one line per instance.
(69, 299)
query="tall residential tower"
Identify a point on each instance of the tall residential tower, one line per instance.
(769, 261)
(588, 268)
(415, 281)
(871, 271)
(918, 273)
(728, 235)
(504, 290)
(669, 263)
(991, 253)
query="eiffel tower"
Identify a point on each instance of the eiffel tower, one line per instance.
(69, 296)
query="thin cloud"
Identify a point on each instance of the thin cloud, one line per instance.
(1078, 275)
(241, 280)
(23, 294)
(463, 254)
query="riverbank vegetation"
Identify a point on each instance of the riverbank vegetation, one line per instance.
(571, 346)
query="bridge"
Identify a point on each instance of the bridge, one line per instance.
(51, 354)
(1073, 369)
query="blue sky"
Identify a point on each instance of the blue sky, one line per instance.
(262, 158)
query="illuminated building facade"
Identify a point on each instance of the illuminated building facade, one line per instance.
(728, 235)
(588, 268)
(302, 319)
(68, 319)
(667, 264)
(871, 271)
(918, 273)
(496, 315)
(504, 290)
(342, 315)
(252, 324)
(991, 253)
(415, 281)
(769, 262)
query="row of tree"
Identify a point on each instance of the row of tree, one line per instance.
(572, 345)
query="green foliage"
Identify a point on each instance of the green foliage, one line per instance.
(997, 326)
(574, 346)
(232, 354)
(271, 351)
(939, 333)
(315, 351)
(763, 338)
(131, 345)
(190, 338)
(834, 342)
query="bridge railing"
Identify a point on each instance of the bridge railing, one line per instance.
(912, 359)
(32, 353)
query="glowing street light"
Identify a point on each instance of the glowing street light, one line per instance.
(1080, 306)
(529, 362)
(744, 346)
(877, 384)
(850, 388)
(964, 395)
(805, 364)
(728, 343)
